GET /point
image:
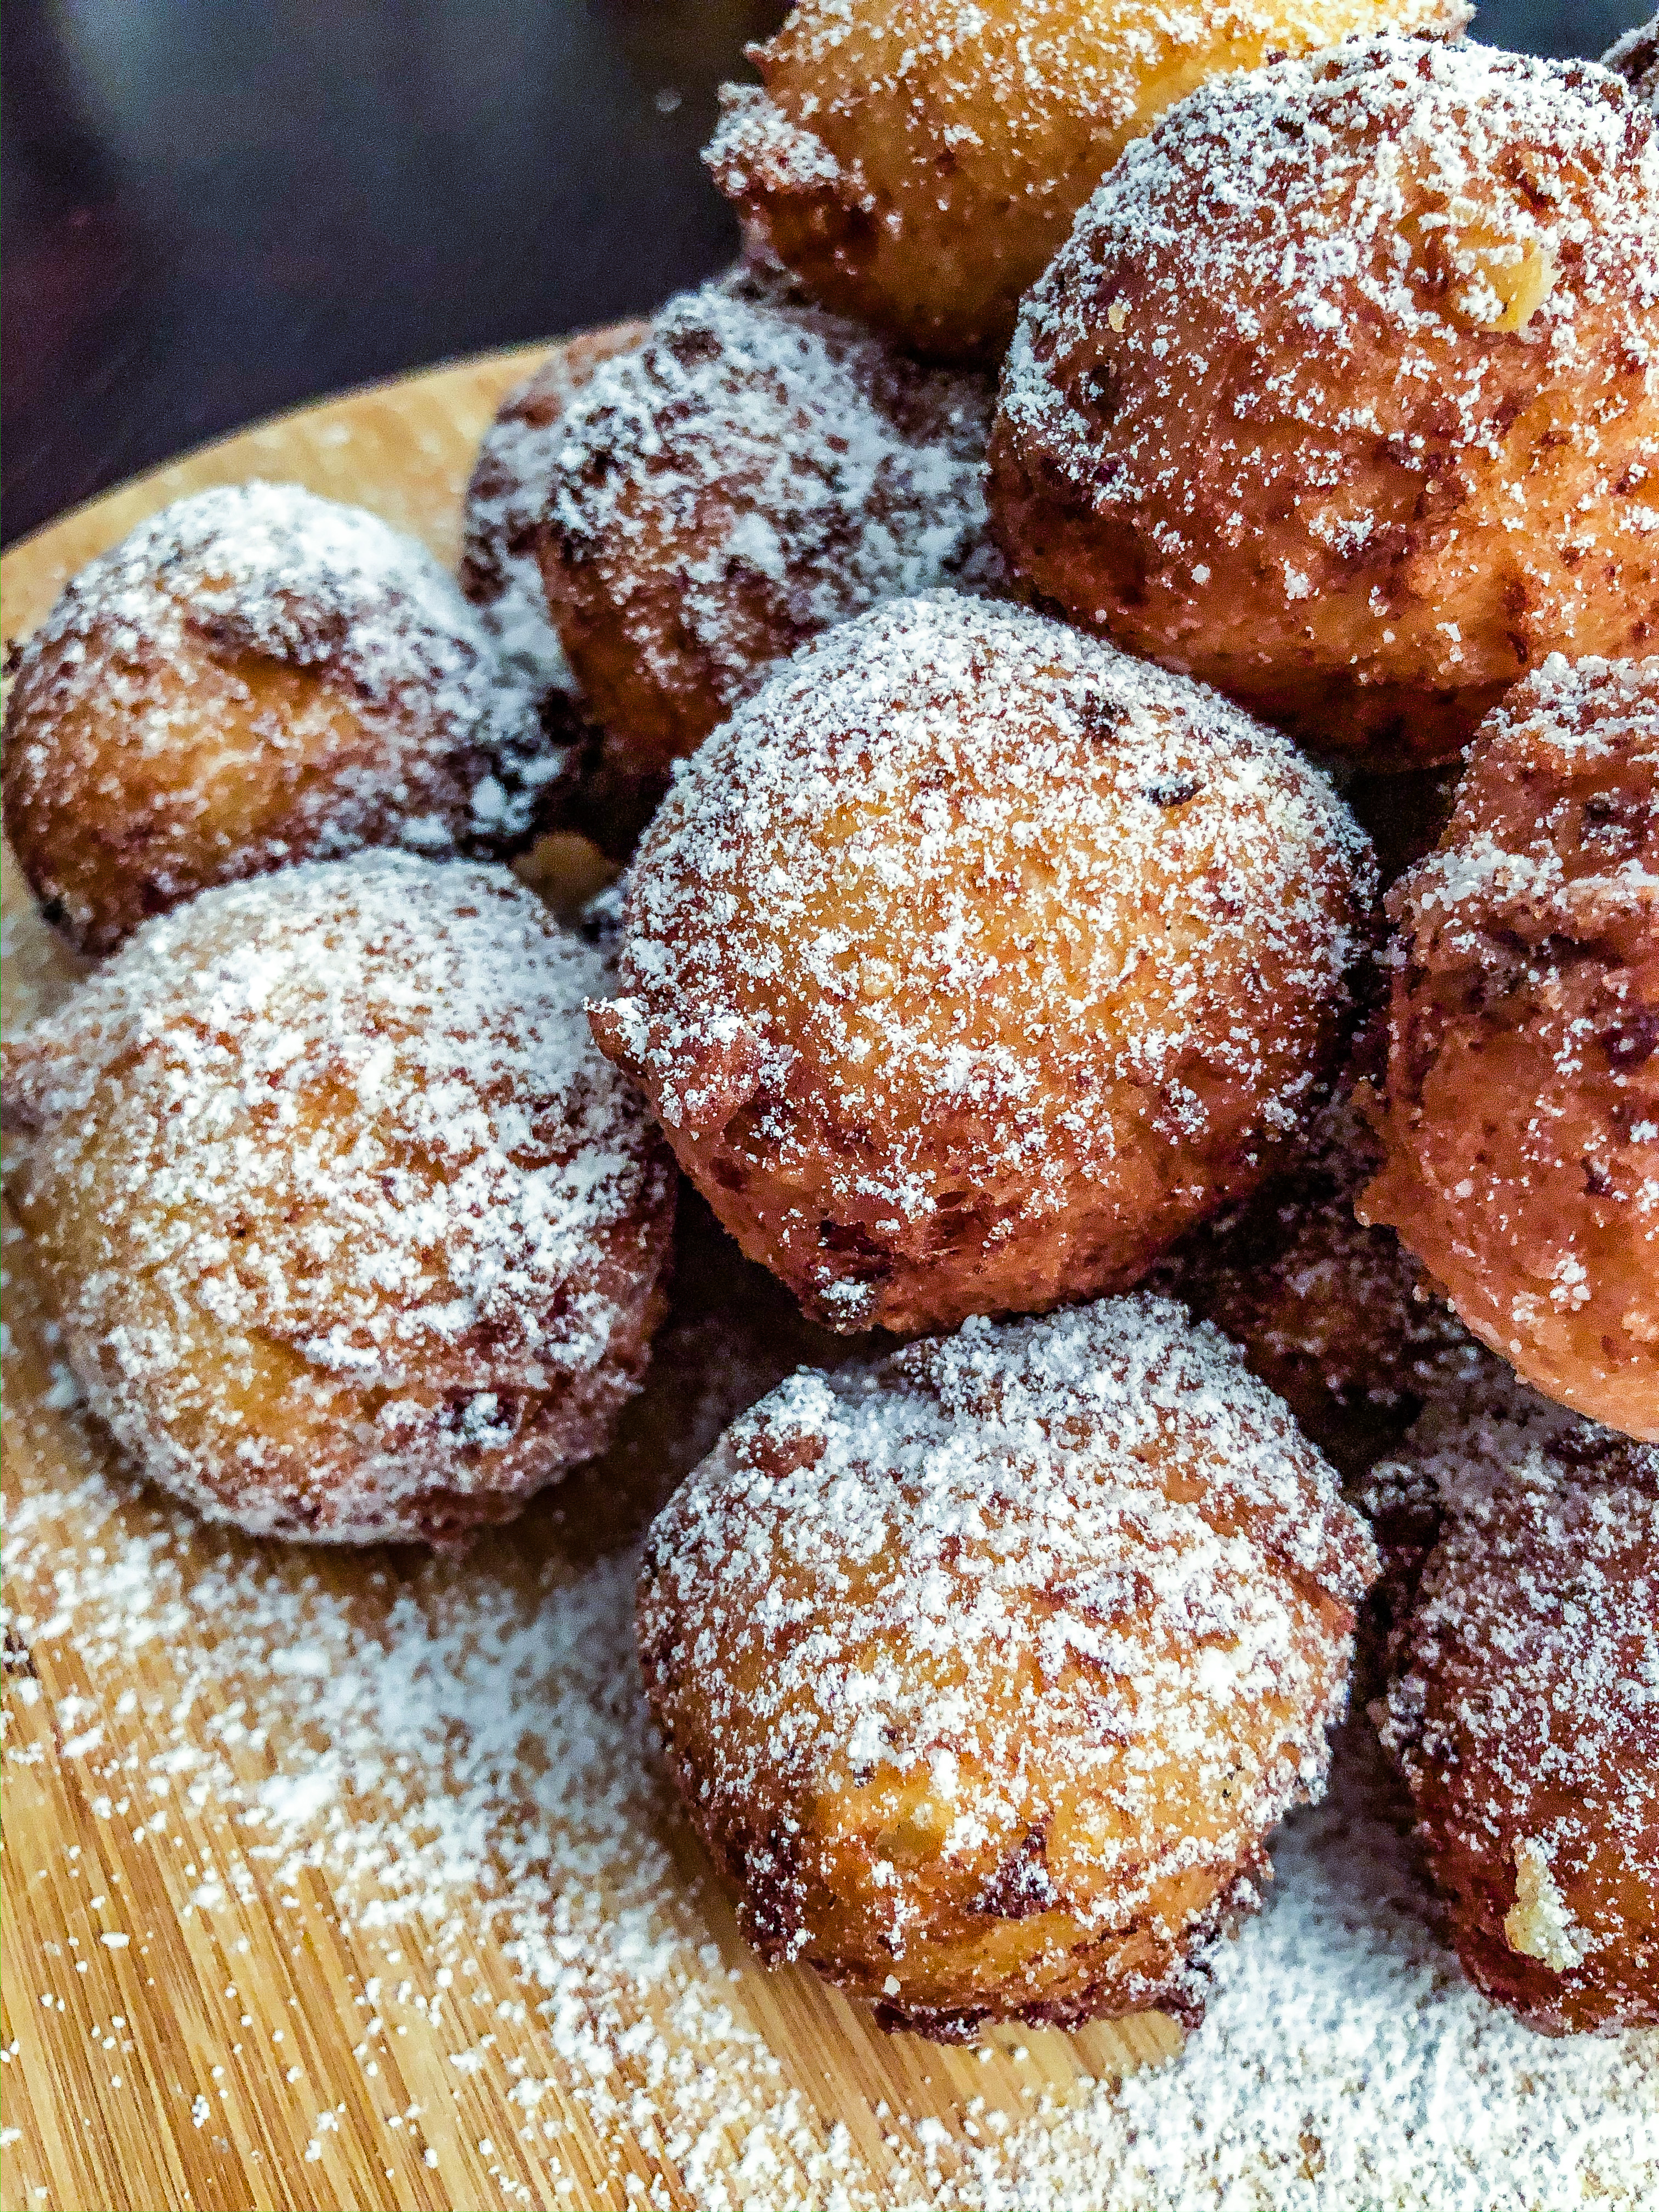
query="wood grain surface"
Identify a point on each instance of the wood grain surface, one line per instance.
(171, 2040)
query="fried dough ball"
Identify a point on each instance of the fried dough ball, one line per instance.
(255, 676)
(755, 472)
(507, 503)
(985, 1671)
(1636, 58)
(918, 162)
(1344, 393)
(1524, 1717)
(972, 961)
(351, 1233)
(1327, 1313)
(1522, 1098)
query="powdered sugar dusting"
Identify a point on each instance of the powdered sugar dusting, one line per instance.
(489, 1784)
(1036, 1570)
(506, 504)
(1070, 911)
(1526, 1712)
(341, 1135)
(1373, 186)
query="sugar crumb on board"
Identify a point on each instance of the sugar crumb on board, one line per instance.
(456, 1758)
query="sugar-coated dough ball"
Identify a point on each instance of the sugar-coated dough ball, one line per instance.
(1344, 393)
(254, 677)
(351, 1232)
(756, 472)
(1328, 1313)
(972, 961)
(918, 162)
(985, 1670)
(507, 503)
(1522, 1096)
(1636, 58)
(1524, 1712)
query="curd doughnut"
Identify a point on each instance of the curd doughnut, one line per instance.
(985, 1670)
(1343, 394)
(351, 1232)
(918, 162)
(756, 472)
(1523, 1714)
(255, 676)
(1522, 1121)
(972, 961)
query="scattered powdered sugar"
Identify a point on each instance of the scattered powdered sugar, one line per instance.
(460, 1755)
(339, 1140)
(271, 570)
(1390, 185)
(795, 468)
(1037, 1570)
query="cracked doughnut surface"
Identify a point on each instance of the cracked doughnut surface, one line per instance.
(1525, 1713)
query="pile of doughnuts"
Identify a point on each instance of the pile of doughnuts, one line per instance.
(1148, 468)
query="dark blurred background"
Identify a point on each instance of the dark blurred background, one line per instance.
(215, 208)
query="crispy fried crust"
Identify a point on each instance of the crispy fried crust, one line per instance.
(1523, 1716)
(256, 676)
(1291, 410)
(917, 162)
(350, 1233)
(972, 961)
(1521, 1121)
(985, 1671)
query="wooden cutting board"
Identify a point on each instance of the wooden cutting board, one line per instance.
(294, 1918)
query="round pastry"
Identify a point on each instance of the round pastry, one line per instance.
(1287, 412)
(351, 1233)
(1636, 58)
(972, 961)
(507, 503)
(1329, 1314)
(985, 1671)
(256, 676)
(1524, 1715)
(918, 162)
(1522, 1100)
(755, 472)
